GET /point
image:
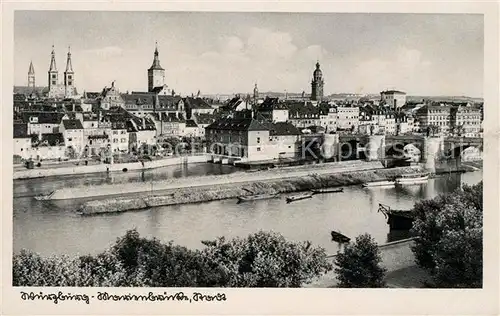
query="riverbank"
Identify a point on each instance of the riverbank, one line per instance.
(155, 187)
(97, 168)
(294, 182)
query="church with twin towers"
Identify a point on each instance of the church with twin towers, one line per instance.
(56, 88)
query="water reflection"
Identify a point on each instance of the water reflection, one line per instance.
(52, 227)
(37, 186)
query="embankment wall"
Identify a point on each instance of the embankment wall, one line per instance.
(73, 170)
(219, 191)
(238, 177)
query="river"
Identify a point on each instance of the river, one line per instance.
(52, 227)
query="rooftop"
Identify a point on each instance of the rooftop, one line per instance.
(72, 124)
(238, 124)
(20, 130)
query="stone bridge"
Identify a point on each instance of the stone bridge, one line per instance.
(431, 148)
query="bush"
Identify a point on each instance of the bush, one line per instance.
(266, 259)
(449, 237)
(359, 265)
(262, 259)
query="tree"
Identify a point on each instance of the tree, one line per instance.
(260, 260)
(267, 259)
(448, 242)
(149, 262)
(359, 265)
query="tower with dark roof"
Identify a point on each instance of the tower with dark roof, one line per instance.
(156, 74)
(69, 75)
(53, 73)
(317, 84)
(31, 76)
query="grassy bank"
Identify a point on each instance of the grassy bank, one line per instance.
(233, 190)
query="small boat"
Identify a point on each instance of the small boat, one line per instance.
(294, 198)
(256, 197)
(397, 219)
(338, 237)
(380, 183)
(321, 191)
(44, 197)
(413, 178)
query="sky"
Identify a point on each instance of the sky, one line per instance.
(225, 53)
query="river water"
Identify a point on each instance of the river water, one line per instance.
(52, 227)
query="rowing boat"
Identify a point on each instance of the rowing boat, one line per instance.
(321, 191)
(299, 197)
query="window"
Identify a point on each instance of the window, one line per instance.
(258, 148)
(258, 142)
(69, 139)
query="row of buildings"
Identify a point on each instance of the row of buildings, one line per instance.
(57, 122)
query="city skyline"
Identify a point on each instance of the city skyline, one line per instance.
(366, 53)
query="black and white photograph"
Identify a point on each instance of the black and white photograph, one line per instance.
(191, 149)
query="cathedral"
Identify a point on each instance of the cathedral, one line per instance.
(317, 84)
(56, 89)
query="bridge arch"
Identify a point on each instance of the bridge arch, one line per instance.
(404, 149)
(464, 151)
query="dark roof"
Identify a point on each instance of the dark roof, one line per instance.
(301, 111)
(204, 118)
(149, 125)
(43, 117)
(234, 102)
(196, 103)
(72, 124)
(119, 125)
(168, 102)
(282, 128)
(92, 95)
(138, 98)
(52, 139)
(392, 92)
(191, 123)
(20, 130)
(98, 136)
(237, 124)
(29, 90)
(272, 104)
(69, 107)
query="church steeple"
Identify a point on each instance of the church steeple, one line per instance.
(53, 73)
(156, 61)
(31, 76)
(53, 66)
(317, 84)
(69, 67)
(156, 74)
(69, 74)
(31, 71)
